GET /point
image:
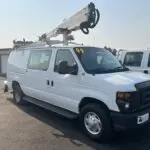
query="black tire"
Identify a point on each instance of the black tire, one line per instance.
(18, 94)
(106, 123)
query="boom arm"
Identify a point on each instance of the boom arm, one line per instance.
(85, 19)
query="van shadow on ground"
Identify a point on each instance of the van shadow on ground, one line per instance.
(138, 139)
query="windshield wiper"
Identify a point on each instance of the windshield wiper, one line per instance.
(120, 68)
(104, 70)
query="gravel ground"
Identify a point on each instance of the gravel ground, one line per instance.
(33, 128)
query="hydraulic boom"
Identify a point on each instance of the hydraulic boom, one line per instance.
(85, 19)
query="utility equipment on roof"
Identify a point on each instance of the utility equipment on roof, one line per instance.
(84, 20)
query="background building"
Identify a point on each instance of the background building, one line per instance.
(4, 53)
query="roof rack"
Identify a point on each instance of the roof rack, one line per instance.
(84, 20)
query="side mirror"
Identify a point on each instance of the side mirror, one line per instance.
(64, 68)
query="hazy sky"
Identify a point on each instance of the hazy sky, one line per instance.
(123, 23)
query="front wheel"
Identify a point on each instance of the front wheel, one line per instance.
(96, 122)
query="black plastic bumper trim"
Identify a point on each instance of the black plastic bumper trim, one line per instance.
(128, 120)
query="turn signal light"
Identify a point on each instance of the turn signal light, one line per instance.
(123, 95)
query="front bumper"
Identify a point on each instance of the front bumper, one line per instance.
(130, 120)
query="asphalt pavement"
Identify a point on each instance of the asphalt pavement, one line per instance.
(33, 128)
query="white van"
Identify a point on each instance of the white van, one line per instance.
(135, 60)
(81, 81)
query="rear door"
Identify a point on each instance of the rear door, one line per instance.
(37, 76)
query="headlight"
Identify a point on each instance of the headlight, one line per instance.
(125, 96)
(127, 101)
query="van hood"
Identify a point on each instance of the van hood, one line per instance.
(120, 81)
(127, 78)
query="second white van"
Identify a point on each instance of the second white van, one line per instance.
(135, 60)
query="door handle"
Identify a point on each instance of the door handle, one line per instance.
(52, 83)
(47, 82)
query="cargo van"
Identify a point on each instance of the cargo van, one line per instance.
(82, 82)
(135, 60)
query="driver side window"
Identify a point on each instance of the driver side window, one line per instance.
(64, 55)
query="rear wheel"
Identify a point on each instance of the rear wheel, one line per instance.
(96, 122)
(18, 94)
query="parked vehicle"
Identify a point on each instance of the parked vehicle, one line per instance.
(135, 60)
(82, 82)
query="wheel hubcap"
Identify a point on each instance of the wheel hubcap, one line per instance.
(92, 123)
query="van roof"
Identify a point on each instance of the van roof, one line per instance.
(53, 46)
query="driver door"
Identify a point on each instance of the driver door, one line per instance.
(65, 87)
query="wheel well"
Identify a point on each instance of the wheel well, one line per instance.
(14, 83)
(88, 100)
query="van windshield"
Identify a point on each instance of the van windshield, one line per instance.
(98, 60)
